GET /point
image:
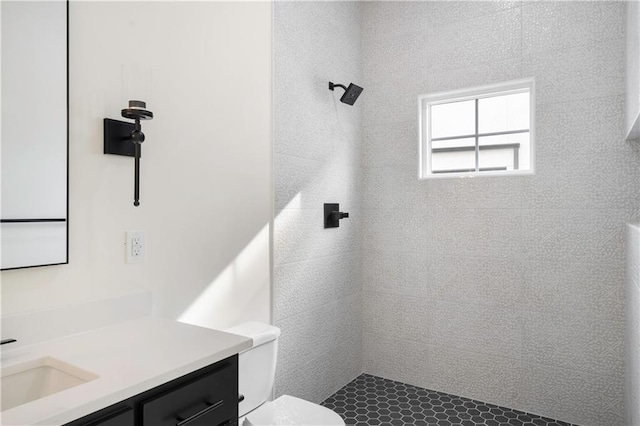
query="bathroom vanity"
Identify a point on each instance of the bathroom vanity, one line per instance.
(208, 396)
(141, 372)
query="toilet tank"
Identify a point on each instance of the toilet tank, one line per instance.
(256, 365)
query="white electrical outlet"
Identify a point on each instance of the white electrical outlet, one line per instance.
(135, 246)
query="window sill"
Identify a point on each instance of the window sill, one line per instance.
(468, 175)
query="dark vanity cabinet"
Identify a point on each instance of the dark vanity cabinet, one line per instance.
(120, 415)
(206, 397)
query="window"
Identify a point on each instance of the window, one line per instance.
(480, 131)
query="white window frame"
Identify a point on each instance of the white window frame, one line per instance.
(478, 92)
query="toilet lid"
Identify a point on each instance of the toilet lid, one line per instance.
(289, 410)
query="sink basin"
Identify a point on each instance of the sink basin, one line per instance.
(36, 379)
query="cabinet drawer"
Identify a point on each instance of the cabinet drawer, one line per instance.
(207, 400)
(123, 417)
(118, 415)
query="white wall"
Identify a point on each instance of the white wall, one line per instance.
(205, 70)
(633, 69)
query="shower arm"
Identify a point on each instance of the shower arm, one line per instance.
(333, 85)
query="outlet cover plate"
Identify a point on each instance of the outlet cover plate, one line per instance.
(135, 246)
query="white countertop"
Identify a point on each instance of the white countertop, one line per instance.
(129, 358)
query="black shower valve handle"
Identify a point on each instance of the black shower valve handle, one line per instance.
(332, 215)
(339, 215)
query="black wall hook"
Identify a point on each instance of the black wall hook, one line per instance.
(124, 138)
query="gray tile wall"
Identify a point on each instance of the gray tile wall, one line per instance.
(632, 342)
(633, 62)
(317, 280)
(505, 289)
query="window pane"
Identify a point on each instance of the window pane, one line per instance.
(503, 113)
(488, 129)
(453, 119)
(458, 157)
(505, 152)
(454, 143)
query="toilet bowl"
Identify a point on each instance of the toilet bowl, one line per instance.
(256, 374)
(289, 410)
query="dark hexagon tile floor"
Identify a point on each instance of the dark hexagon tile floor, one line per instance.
(371, 400)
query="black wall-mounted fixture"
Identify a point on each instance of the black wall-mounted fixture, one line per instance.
(332, 215)
(124, 138)
(351, 93)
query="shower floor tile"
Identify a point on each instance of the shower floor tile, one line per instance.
(371, 400)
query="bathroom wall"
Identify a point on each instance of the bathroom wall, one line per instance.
(633, 69)
(509, 290)
(632, 293)
(205, 70)
(632, 341)
(317, 285)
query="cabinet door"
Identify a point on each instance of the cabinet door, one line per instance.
(208, 400)
(113, 416)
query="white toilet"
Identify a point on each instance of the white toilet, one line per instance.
(257, 369)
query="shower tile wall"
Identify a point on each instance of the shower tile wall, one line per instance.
(632, 342)
(633, 63)
(317, 281)
(509, 290)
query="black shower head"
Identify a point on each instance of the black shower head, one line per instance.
(351, 93)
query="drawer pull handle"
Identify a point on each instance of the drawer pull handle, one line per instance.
(210, 408)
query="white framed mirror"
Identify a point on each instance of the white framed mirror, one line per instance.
(35, 141)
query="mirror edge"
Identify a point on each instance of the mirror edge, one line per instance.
(66, 262)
